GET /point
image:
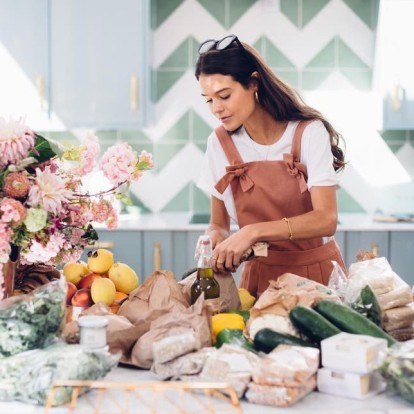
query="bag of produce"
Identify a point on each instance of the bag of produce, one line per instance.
(398, 370)
(34, 320)
(28, 376)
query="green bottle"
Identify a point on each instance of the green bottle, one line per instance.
(205, 281)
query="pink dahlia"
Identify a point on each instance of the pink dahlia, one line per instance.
(16, 185)
(49, 191)
(16, 139)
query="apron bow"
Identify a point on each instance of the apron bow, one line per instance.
(297, 169)
(232, 172)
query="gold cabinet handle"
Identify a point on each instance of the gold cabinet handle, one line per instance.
(40, 86)
(134, 93)
(396, 97)
(157, 256)
(374, 249)
(101, 245)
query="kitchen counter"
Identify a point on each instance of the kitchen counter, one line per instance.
(315, 403)
(183, 222)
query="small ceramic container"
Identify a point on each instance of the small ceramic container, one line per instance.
(93, 331)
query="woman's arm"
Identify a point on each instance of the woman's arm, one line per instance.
(219, 227)
(319, 222)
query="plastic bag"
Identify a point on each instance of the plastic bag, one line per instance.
(28, 376)
(338, 281)
(34, 320)
(398, 370)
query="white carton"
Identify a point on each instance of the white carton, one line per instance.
(352, 353)
(349, 384)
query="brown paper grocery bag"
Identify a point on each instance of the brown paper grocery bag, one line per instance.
(196, 319)
(229, 295)
(159, 294)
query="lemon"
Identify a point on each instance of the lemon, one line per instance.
(124, 277)
(103, 290)
(73, 271)
(100, 260)
(246, 299)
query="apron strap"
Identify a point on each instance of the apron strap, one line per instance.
(229, 148)
(297, 139)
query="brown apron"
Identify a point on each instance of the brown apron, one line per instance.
(268, 191)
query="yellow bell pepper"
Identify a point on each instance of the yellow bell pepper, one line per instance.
(226, 320)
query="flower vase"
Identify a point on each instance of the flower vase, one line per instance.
(9, 273)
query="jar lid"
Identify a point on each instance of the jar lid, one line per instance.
(92, 321)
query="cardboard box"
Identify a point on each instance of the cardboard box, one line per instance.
(352, 353)
(348, 384)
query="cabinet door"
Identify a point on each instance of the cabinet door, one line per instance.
(98, 61)
(340, 237)
(126, 246)
(365, 240)
(24, 60)
(163, 240)
(401, 255)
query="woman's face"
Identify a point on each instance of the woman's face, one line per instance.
(228, 100)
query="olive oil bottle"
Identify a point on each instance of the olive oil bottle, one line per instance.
(205, 281)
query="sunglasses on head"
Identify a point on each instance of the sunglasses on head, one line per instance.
(222, 45)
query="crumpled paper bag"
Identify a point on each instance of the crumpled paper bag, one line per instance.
(194, 319)
(121, 333)
(285, 293)
(229, 295)
(159, 294)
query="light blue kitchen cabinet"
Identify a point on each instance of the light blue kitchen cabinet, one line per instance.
(24, 54)
(376, 241)
(398, 111)
(340, 240)
(99, 63)
(401, 255)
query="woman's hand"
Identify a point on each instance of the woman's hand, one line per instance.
(227, 254)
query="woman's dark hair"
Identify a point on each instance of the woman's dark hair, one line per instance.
(278, 98)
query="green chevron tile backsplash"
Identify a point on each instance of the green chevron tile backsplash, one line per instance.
(339, 56)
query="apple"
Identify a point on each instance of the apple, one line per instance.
(72, 289)
(82, 298)
(86, 281)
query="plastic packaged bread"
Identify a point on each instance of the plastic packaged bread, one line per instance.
(287, 365)
(279, 396)
(397, 318)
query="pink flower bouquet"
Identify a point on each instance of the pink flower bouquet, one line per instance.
(45, 212)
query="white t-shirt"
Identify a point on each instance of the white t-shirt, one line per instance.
(315, 154)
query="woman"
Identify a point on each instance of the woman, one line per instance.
(270, 167)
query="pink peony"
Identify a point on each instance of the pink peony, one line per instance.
(12, 211)
(88, 155)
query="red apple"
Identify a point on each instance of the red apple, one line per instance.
(86, 281)
(82, 298)
(72, 289)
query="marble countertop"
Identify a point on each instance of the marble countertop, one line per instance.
(182, 222)
(314, 403)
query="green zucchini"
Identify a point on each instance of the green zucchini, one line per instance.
(349, 320)
(312, 324)
(266, 340)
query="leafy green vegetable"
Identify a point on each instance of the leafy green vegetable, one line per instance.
(33, 320)
(398, 370)
(29, 375)
(367, 305)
